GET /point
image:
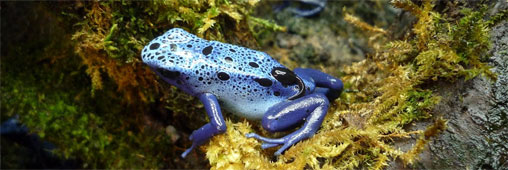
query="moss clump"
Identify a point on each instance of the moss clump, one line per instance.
(45, 84)
(393, 89)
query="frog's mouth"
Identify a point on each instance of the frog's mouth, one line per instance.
(287, 77)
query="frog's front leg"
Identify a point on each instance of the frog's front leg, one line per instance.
(311, 109)
(217, 125)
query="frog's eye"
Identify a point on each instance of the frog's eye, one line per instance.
(287, 77)
(284, 76)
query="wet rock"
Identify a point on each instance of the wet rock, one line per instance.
(476, 111)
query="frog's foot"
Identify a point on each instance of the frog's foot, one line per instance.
(187, 151)
(318, 5)
(13, 126)
(217, 125)
(286, 141)
(280, 7)
(267, 142)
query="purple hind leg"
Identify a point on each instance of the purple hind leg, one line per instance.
(311, 108)
(280, 7)
(325, 83)
(319, 5)
(283, 115)
(217, 125)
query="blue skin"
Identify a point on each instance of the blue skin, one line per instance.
(245, 82)
(12, 126)
(319, 5)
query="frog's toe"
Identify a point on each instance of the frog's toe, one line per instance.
(292, 139)
(269, 145)
(305, 13)
(286, 141)
(184, 154)
(267, 140)
(252, 135)
(283, 148)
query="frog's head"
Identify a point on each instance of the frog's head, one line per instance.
(166, 54)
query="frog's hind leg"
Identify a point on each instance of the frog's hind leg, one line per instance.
(325, 83)
(318, 5)
(311, 109)
(280, 7)
(217, 125)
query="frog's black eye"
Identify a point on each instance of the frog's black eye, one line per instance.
(287, 77)
(284, 76)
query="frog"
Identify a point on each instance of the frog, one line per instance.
(317, 7)
(245, 82)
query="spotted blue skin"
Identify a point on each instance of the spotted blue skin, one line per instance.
(245, 82)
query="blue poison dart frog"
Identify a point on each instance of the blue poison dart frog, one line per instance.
(318, 6)
(245, 82)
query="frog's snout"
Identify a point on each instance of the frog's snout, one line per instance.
(152, 56)
(146, 54)
(164, 50)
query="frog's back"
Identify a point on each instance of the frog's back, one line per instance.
(239, 77)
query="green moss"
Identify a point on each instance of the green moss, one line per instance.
(416, 106)
(123, 28)
(53, 101)
(497, 18)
